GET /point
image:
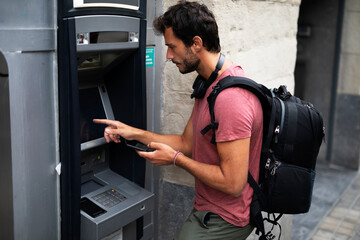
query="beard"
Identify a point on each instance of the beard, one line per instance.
(190, 63)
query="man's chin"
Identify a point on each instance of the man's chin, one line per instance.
(185, 71)
(181, 70)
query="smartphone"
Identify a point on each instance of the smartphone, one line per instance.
(91, 208)
(137, 145)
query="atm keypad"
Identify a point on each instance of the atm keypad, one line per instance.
(109, 198)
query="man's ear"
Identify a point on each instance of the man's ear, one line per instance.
(197, 43)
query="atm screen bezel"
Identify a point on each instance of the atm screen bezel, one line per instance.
(108, 112)
(83, 4)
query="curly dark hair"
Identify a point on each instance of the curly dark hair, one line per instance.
(190, 19)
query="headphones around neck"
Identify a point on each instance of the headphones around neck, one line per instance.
(201, 85)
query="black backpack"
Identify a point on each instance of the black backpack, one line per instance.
(292, 134)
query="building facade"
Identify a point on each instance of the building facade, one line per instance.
(312, 47)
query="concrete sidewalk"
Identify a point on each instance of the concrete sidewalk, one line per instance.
(335, 192)
(343, 219)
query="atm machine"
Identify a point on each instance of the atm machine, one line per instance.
(101, 64)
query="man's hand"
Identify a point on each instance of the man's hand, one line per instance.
(164, 145)
(116, 129)
(162, 156)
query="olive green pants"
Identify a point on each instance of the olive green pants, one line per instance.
(210, 226)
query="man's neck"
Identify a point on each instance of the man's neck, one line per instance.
(209, 62)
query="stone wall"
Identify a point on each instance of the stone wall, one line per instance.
(258, 35)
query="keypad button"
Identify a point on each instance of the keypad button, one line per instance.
(109, 198)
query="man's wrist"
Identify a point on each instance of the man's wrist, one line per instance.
(176, 155)
(140, 135)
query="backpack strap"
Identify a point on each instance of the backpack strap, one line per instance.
(259, 90)
(256, 218)
(267, 101)
(256, 205)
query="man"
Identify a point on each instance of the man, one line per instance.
(222, 202)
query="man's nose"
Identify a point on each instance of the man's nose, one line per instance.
(169, 55)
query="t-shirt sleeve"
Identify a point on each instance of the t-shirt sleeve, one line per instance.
(234, 111)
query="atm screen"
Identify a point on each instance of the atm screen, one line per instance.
(91, 107)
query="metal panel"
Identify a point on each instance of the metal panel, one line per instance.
(88, 24)
(28, 42)
(34, 145)
(106, 23)
(23, 14)
(153, 92)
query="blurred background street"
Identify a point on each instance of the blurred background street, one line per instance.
(335, 208)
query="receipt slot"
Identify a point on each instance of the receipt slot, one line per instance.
(102, 75)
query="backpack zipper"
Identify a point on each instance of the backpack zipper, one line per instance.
(279, 128)
(311, 107)
(276, 165)
(267, 165)
(277, 132)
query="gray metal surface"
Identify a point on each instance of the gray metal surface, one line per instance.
(27, 26)
(153, 94)
(106, 23)
(27, 40)
(30, 143)
(23, 14)
(88, 24)
(34, 141)
(139, 202)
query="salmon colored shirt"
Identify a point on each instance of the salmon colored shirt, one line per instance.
(239, 114)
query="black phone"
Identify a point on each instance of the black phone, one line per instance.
(137, 145)
(91, 208)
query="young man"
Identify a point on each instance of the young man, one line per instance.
(222, 202)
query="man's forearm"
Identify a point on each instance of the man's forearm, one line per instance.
(212, 175)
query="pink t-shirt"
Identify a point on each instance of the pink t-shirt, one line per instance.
(239, 114)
